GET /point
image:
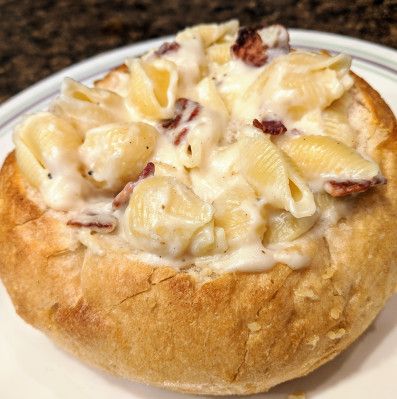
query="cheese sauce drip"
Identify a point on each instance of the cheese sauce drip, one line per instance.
(222, 150)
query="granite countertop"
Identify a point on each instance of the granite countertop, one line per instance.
(38, 38)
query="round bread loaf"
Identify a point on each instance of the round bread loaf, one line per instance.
(234, 333)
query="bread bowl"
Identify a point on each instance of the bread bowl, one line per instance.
(250, 311)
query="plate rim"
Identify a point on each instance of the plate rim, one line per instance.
(112, 57)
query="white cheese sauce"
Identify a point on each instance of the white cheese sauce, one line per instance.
(207, 159)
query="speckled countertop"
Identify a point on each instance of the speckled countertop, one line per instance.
(39, 37)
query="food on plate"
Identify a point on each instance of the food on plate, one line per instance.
(214, 217)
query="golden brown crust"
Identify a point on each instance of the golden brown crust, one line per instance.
(239, 333)
(110, 79)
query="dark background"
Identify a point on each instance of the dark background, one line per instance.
(39, 37)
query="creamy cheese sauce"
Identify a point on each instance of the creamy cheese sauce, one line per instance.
(64, 187)
(201, 150)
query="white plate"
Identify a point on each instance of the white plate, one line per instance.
(31, 366)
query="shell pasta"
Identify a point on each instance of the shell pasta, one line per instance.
(214, 148)
(210, 33)
(274, 176)
(237, 212)
(336, 124)
(114, 154)
(164, 214)
(284, 227)
(87, 108)
(152, 88)
(296, 84)
(46, 151)
(324, 157)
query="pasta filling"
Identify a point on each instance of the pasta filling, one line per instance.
(223, 149)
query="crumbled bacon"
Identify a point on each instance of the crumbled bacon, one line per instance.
(194, 113)
(341, 189)
(249, 47)
(270, 127)
(124, 195)
(172, 123)
(181, 135)
(185, 111)
(258, 46)
(167, 47)
(147, 171)
(101, 223)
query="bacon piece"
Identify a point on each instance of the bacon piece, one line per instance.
(260, 45)
(181, 135)
(185, 111)
(167, 47)
(124, 195)
(180, 107)
(171, 123)
(274, 128)
(249, 47)
(147, 171)
(341, 189)
(181, 103)
(101, 223)
(194, 113)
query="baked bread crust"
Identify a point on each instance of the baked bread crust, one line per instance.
(239, 333)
